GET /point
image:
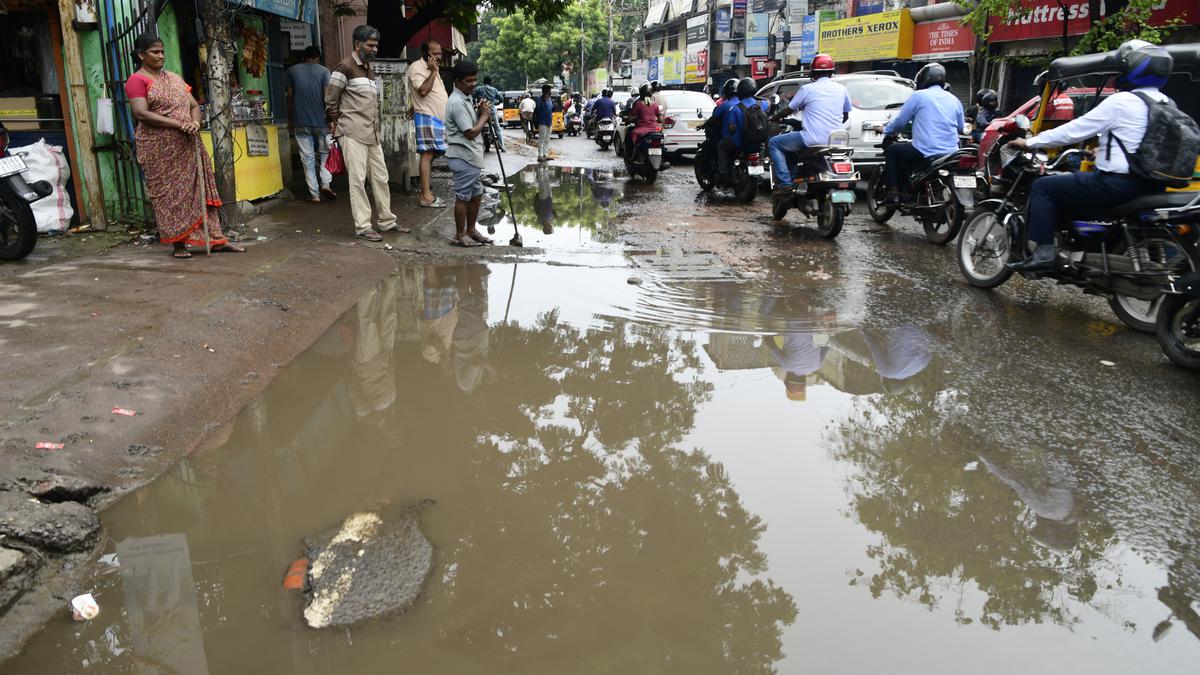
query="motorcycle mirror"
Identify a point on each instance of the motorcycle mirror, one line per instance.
(1022, 122)
(1041, 157)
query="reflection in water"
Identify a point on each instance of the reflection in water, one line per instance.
(160, 605)
(602, 488)
(563, 205)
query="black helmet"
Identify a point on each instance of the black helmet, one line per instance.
(1143, 65)
(987, 98)
(655, 85)
(729, 89)
(644, 91)
(607, 93)
(746, 88)
(930, 75)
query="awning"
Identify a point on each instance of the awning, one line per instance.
(656, 14)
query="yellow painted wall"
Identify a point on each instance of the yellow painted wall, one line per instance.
(257, 177)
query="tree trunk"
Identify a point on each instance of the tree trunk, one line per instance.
(1095, 14)
(395, 29)
(219, 34)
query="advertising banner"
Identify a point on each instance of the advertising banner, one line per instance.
(757, 26)
(695, 70)
(761, 68)
(948, 39)
(652, 73)
(671, 68)
(883, 36)
(729, 53)
(796, 11)
(1046, 18)
(724, 28)
(867, 7)
(739, 7)
(640, 72)
(697, 29)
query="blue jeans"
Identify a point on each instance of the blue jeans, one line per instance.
(313, 151)
(777, 148)
(1078, 192)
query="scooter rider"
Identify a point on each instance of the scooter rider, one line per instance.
(987, 104)
(1119, 120)
(734, 121)
(937, 118)
(604, 106)
(826, 107)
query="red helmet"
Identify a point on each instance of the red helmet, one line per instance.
(823, 63)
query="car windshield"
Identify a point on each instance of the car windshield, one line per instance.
(871, 94)
(690, 100)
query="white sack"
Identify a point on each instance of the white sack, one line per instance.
(49, 163)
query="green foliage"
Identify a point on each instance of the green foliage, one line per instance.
(524, 43)
(1131, 23)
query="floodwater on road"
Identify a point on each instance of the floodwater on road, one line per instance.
(693, 475)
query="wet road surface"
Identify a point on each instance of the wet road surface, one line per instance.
(825, 457)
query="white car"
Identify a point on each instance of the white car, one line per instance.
(689, 109)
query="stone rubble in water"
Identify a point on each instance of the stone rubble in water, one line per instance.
(373, 563)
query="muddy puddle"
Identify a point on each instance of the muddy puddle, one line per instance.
(691, 475)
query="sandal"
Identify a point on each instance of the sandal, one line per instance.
(328, 192)
(481, 239)
(399, 229)
(369, 235)
(437, 203)
(181, 252)
(465, 243)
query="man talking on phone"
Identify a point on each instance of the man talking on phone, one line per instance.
(429, 105)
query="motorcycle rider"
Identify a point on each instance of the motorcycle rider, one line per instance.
(986, 109)
(604, 106)
(826, 107)
(937, 119)
(1144, 68)
(645, 117)
(731, 144)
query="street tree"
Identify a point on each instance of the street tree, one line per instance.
(400, 21)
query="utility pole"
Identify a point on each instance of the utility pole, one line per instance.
(610, 43)
(219, 35)
(582, 14)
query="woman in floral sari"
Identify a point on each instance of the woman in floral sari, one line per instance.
(168, 136)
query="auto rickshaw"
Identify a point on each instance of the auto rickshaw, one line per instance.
(512, 108)
(1096, 72)
(557, 124)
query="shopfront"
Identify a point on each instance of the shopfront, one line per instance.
(952, 44)
(884, 36)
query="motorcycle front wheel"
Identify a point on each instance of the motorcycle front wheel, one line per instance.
(704, 179)
(984, 250)
(1179, 330)
(779, 208)
(18, 229)
(745, 188)
(830, 217)
(877, 193)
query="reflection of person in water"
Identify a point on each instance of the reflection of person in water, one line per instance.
(798, 356)
(543, 203)
(901, 352)
(470, 338)
(602, 187)
(439, 314)
(1044, 490)
(373, 390)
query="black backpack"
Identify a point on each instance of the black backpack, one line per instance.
(757, 127)
(1169, 149)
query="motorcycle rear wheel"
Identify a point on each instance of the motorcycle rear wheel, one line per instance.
(18, 228)
(949, 223)
(704, 179)
(830, 217)
(1180, 342)
(745, 188)
(1139, 315)
(876, 192)
(650, 175)
(984, 267)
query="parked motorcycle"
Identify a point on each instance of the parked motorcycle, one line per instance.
(1131, 253)
(823, 186)
(604, 132)
(18, 229)
(747, 170)
(938, 194)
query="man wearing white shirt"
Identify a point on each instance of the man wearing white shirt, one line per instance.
(1120, 123)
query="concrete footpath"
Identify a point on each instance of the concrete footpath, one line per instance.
(119, 360)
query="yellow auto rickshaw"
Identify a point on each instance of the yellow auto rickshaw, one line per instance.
(558, 125)
(512, 108)
(1061, 84)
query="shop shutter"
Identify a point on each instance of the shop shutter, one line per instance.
(958, 76)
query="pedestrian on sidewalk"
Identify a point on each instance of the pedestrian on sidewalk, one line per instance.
(168, 149)
(429, 104)
(465, 122)
(306, 83)
(543, 117)
(352, 109)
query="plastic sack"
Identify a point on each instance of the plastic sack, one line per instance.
(49, 163)
(334, 163)
(104, 116)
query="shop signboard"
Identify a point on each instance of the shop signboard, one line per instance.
(1045, 18)
(697, 29)
(304, 10)
(757, 26)
(796, 11)
(672, 68)
(868, 7)
(724, 29)
(640, 72)
(739, 7)
(949, 39)
(695, 71)
(729, 53)
(808, 39)
(652, 73)
(887, 35)
(761, 67)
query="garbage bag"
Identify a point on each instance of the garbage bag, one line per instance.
(104, 116)
(49, 163)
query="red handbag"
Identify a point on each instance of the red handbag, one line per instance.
(334, 163)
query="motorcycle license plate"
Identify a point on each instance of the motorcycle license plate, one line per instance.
(655, 152)
(869, 136)
(964, 181)
(842, 196)
(694, 124)
(754, 170)
(12, 165)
